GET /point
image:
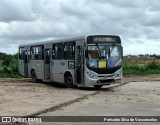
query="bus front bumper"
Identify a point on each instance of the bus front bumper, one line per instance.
(104, 79)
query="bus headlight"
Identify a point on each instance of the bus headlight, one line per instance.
(118, 74)
(92, 75)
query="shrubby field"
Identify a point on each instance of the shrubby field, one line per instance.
(138, 66)
(132, 66)
(9, 66)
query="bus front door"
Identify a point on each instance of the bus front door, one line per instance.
(25, 54)
(79, 65)
(47, 64)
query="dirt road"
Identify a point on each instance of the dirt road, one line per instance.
(137, 96)
(133, 99)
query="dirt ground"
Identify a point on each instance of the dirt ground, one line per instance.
(21, 97)
(140, 78)
(133, 99)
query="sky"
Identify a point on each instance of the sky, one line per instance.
(137, 22)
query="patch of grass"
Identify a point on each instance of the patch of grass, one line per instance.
(141, 69)
(10, 75)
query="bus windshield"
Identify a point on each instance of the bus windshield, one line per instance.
(104, 56)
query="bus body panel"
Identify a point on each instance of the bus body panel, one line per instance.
(38, 67)
(63, 67)
(21, 67)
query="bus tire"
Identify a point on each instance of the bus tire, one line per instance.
(98, 86)
(39, 80)
(68, 80)
(34, 77)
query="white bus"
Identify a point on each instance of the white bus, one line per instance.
(83, 60)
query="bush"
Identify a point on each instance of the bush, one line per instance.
(153, 65)
(9, 67)
(141, 69)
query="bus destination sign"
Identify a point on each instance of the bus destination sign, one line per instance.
(103, 39)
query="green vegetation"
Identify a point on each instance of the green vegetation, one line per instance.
(141, 68)
(9, 66)
(131, 66)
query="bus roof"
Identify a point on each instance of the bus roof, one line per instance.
(59, 40)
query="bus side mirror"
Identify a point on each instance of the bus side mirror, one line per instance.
(86, 53)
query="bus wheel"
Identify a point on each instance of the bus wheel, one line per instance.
(34, 77)
(98, 86)
(68, 80)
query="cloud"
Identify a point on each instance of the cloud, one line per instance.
(16, 10)
(136, 48)
(137, 22)
(152, 19)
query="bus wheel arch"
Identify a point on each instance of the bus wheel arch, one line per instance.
(68, 79)
(34, 76)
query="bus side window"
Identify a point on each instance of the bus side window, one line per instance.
(32, 52)
(25, 57)
(21, 56)
(69, 50)
(57, 51)
(36, 54)
(53, 52)
(39, 52)
(47, 56)
(79, 54)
